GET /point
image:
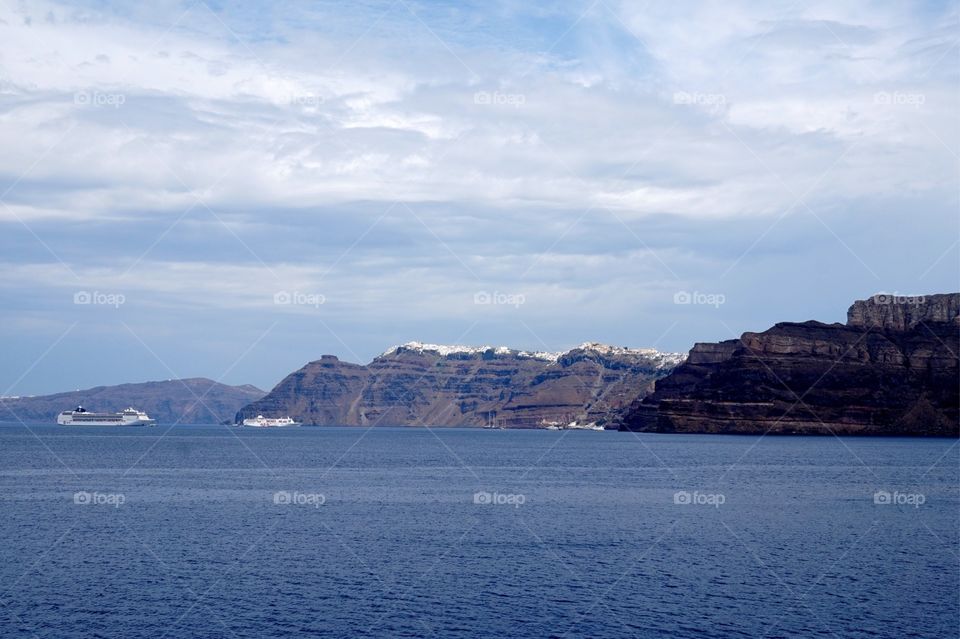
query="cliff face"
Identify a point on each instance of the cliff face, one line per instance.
(167, 401)
(892, 369)
(903, 312)
(422, 384)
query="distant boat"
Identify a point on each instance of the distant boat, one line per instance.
(573, 425)
(80, 416)
(549, 425)
(270, 422)
(495, 423)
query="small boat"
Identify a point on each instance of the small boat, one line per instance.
(495, 423)
(577, 425)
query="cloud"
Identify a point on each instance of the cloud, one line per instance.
(593, 156)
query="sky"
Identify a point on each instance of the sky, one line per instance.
(232, 190)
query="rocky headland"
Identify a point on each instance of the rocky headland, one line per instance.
(418, 384)
(892, 369)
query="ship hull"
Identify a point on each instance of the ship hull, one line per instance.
(126, 418)
(271, 425)
(104, 422)
(269, 422)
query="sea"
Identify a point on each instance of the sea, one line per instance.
(216, 531)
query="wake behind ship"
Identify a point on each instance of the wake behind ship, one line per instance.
(80, 416)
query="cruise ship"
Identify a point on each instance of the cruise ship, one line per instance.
(80, 416)
(270, 422)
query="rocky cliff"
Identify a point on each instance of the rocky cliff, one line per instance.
(892, 369)
(166, 401)
(427, 384)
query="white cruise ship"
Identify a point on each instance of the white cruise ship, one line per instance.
(80, 416)
(270, 422)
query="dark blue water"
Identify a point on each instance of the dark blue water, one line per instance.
(182, 536)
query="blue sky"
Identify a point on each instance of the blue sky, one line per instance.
(527, 174)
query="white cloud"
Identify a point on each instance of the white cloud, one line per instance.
(506, 145)
(224, 122)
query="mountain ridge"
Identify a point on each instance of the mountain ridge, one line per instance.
(552, 356)
(420, 383)
(167, 401)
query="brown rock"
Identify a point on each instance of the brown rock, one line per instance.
(421, 384)
(893, 369)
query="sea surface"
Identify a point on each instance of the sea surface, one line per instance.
(214, 531)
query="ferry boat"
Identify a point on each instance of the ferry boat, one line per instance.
(80, 416)
(573, 425)
(270, 422)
